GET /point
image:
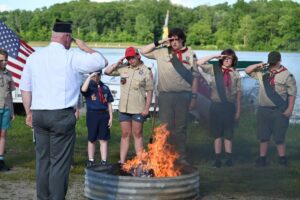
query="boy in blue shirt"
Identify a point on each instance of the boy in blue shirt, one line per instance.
(98, 117)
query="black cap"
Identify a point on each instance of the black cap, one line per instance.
(62, 27)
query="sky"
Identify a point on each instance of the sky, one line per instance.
(33, 4)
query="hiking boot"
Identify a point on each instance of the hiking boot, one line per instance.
(229, 162)
(217, 163)
(283, 161)
(261, 162)
(3, 166)
(103, 163)
(90, 163)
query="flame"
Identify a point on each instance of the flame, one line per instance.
(160, 156)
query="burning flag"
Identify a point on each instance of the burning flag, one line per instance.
(159, 161)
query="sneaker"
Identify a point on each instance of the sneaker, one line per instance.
(229, 162)
(217, 163)
(283, 161)
(261, 162)
(90, 163)
(3, 166)
(103, 163)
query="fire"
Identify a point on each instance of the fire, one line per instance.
(159, 159)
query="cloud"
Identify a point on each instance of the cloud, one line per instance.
(4, 8)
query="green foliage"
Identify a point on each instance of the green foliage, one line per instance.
(254, 25)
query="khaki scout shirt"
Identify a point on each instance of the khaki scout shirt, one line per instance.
(230, 92)
(168, 78)
(133, 91)
(6, 87)
(285, 84)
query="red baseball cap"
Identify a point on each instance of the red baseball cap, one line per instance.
(130, 52)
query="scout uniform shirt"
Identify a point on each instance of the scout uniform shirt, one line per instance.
(285, 84)
(135, 81)
(93, 96)
(231, 91)
(6, 87)
(169, 80)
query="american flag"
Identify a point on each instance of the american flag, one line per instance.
(18, 51)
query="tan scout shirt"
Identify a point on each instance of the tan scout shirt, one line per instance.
(285, 84)
(6, 87)
(133, 91)
(168, 78)
(231, 92)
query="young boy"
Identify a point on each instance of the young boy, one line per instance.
(98, 117)
(276, 99)
(226, 97)
(6, 104)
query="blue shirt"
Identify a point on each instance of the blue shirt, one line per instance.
(54, 74)
(92, 98)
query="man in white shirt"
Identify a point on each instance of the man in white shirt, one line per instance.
(50, 87)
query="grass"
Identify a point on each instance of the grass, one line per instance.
(242, 179)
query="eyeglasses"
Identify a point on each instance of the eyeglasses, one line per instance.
(175, 39)
(228, 58)
(3, 62)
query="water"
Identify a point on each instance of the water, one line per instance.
(290, 60)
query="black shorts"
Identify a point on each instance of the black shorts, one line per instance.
(97, 124)
(271, 121)
(222, 120)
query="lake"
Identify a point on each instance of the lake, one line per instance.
(290, 60)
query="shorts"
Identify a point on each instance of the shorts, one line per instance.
(97, 124)
(271, 121)
(131, 117)
(221, 120)
(5, 118)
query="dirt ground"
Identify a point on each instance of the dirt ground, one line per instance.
(25, 190)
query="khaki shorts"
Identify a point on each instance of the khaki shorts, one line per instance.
(271, 121)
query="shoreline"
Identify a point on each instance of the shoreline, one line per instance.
(123, 45)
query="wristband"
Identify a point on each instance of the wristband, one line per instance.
(194, 96)
(156, 43)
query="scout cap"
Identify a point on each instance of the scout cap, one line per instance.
(130, 52)
(274, 57)
(62, 27)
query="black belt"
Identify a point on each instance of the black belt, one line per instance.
(98, 111)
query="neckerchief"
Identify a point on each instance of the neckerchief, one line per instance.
(273, 72)
(226, 76)
(180, 52)
(100, 94)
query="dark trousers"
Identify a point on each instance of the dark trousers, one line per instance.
(173, 110)
(55, 139)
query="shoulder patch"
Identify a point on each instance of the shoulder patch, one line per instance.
(291, 75)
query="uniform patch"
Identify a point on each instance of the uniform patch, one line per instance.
(141, 72)
(93, 97)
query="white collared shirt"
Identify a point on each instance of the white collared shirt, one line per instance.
(54, 75)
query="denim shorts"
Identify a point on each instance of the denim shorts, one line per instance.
(5, 118)
(131, 117)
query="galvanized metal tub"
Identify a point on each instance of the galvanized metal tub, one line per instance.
(100, 185)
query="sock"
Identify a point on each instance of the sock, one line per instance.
(228, 155)
(218, 156)
(91, 159)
